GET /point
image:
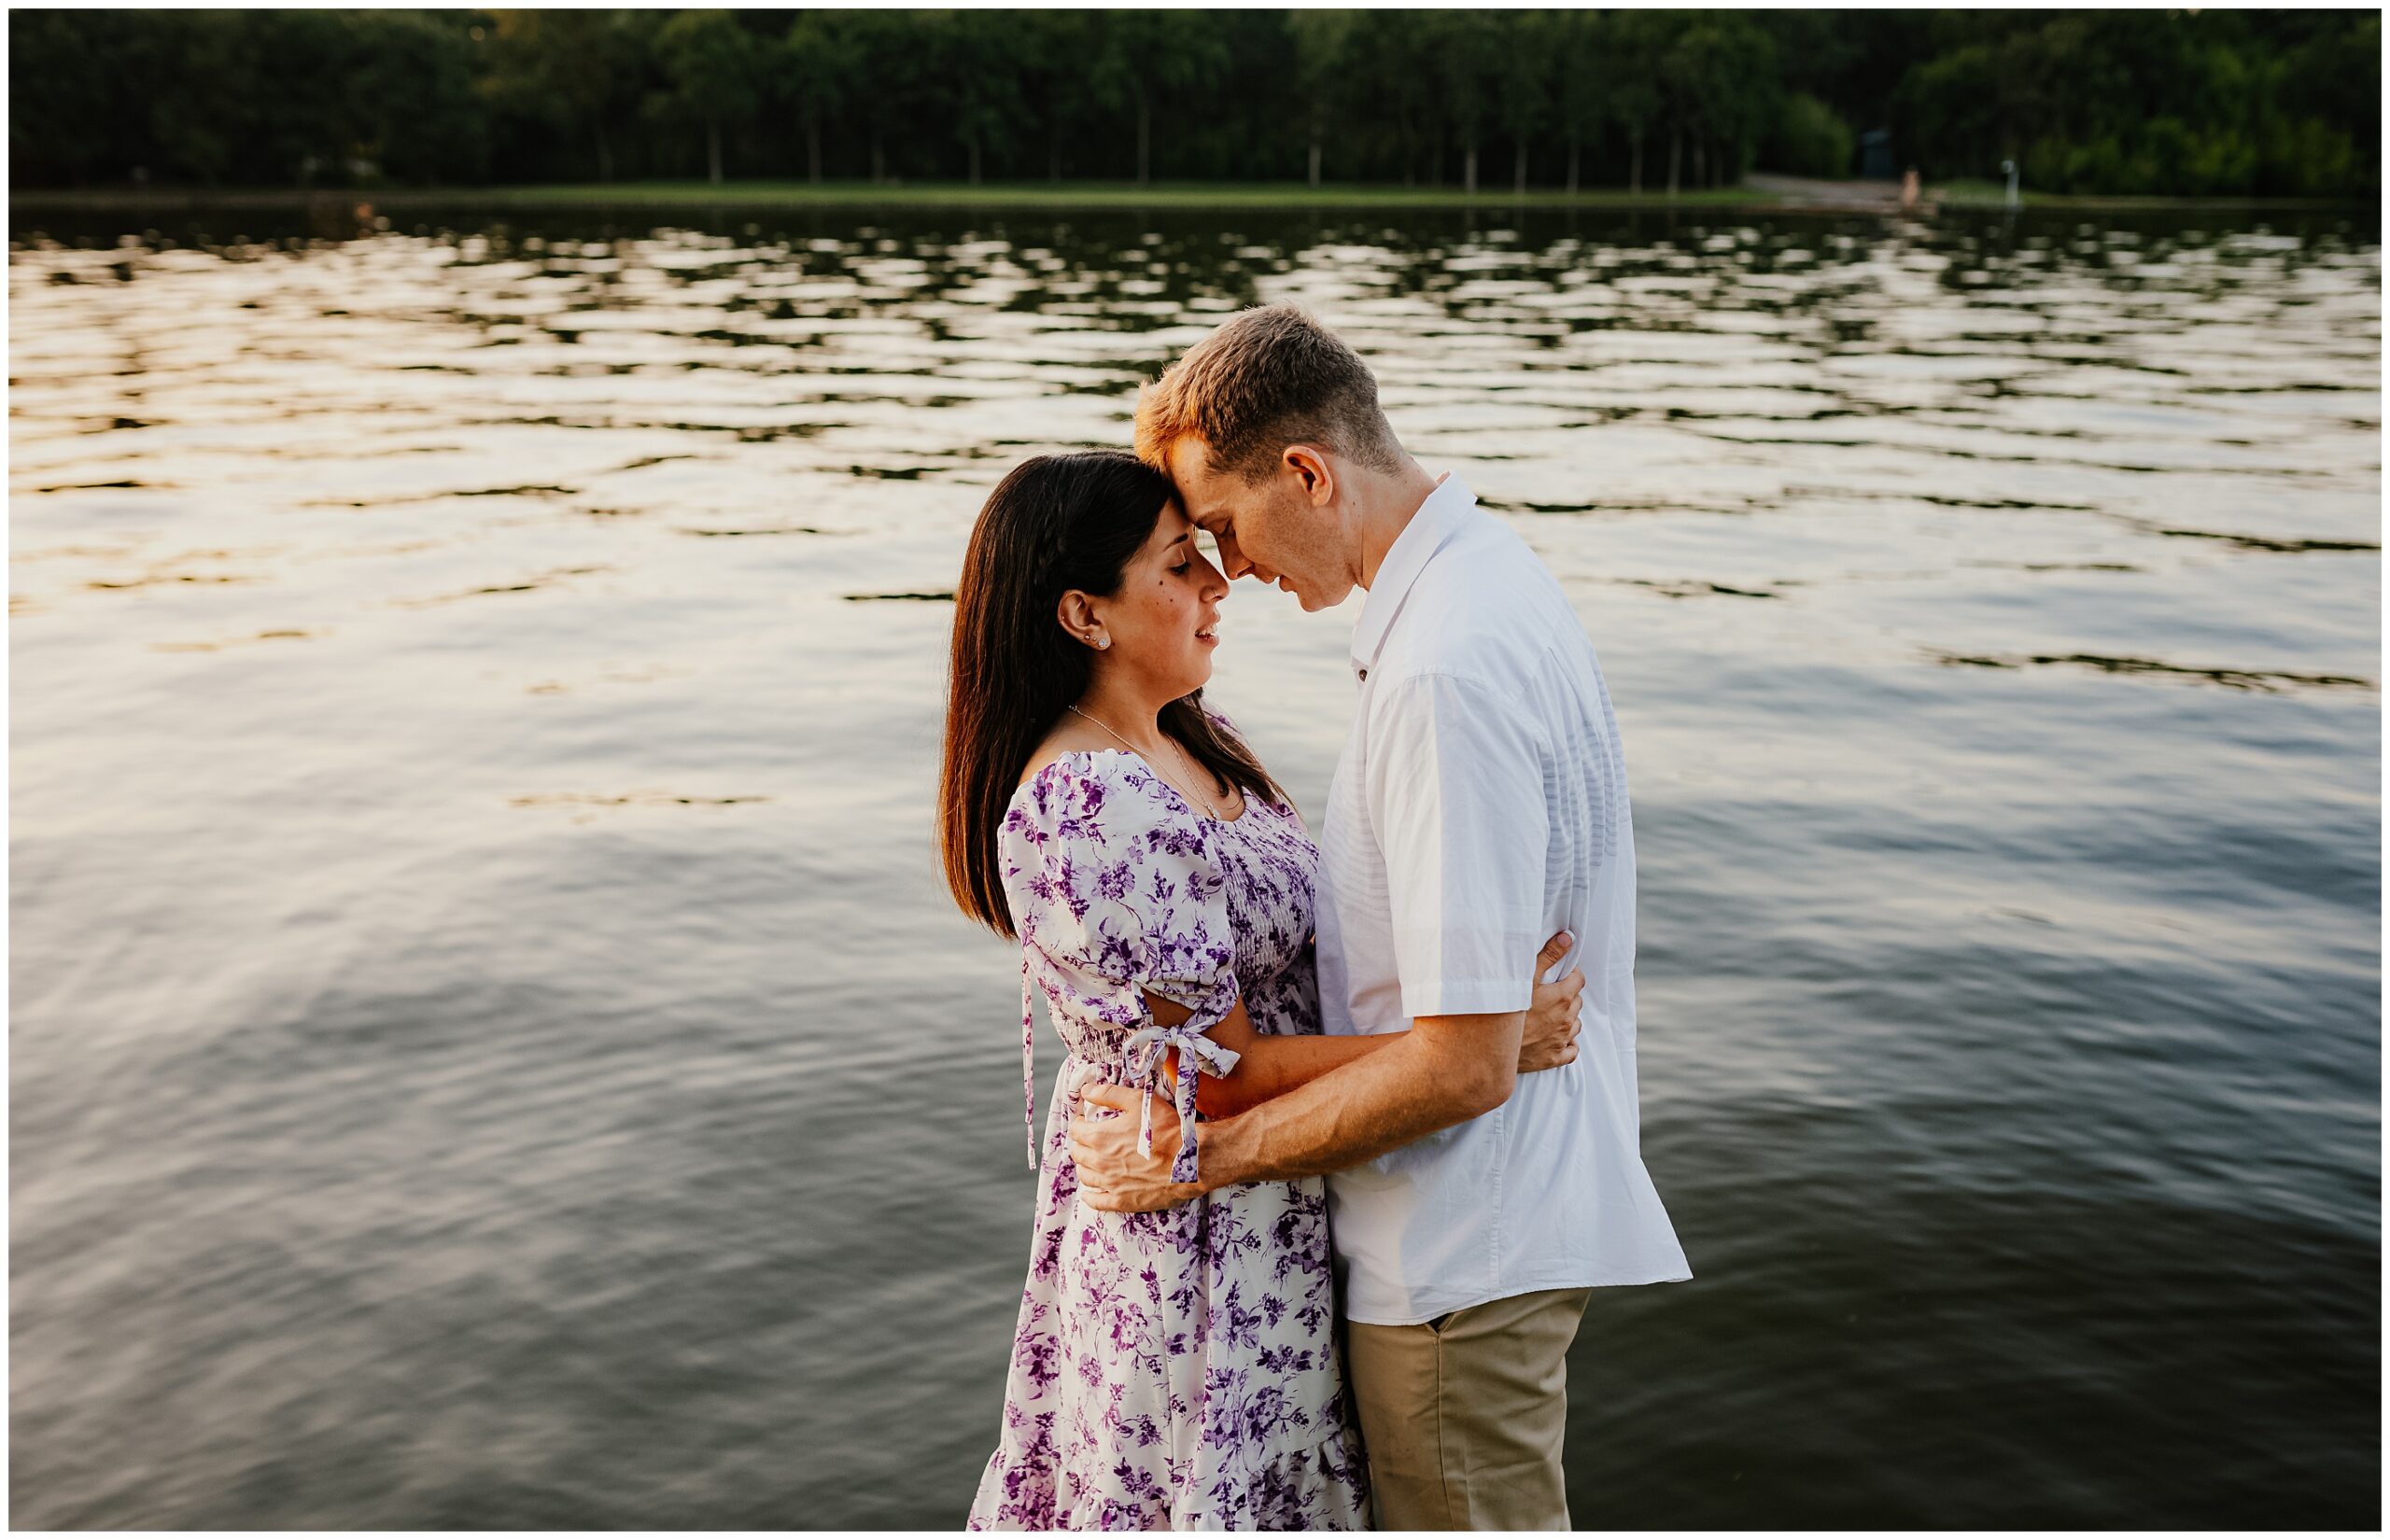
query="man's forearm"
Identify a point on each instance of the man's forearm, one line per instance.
(1444, 1071)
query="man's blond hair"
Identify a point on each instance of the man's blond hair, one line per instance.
(1271, 377)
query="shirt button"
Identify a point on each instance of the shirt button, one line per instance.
(1365, 673)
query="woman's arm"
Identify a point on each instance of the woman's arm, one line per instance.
(1269, 1066)
(1266, 1066)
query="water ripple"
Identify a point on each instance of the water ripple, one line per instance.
(509, 1060)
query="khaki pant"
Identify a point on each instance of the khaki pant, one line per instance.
(1465, 1415)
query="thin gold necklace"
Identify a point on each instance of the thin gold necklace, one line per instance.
(1190, 764)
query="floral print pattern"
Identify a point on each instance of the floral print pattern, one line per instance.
(1172, 1370)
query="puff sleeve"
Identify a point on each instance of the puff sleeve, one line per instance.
(1116, 890)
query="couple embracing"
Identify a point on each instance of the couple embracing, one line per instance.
(1297, 1071)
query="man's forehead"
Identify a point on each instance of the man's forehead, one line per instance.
(1198, 490)
(1187, 453)
(1189, 463)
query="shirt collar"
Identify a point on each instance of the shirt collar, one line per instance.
(1432, 524)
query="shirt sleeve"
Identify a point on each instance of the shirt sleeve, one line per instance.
(1455, 790)
(1116, 892)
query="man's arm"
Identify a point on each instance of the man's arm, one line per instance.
(1269, 1066)
(1456, 793)
(1446, 1069)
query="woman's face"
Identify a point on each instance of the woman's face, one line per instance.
(1161, 621)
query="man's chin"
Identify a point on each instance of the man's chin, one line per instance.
(1305, 596)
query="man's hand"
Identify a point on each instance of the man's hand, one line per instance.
(1550, 1038)
(1114, 1174)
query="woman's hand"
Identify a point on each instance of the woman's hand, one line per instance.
(1113, 1174)
(1550, 1040)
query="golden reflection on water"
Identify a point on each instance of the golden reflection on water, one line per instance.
(489, 1045)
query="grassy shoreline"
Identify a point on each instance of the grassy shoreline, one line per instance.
(1068, 195)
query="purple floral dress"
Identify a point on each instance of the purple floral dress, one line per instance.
(1172, 1370)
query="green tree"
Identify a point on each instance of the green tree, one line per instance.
(418, 113)
(2248, 102)
(1469, 68)
(72, 98)
(1721, 78)
(976, 59)
(1526, 41)
(1955, 116)
(817, 58)
(1576, 40)
(200, 117)
(1146, 56)
(1392, 61)
(1810, 140)
(1050, 50)
(311, 123)
(569, 69)
(886, 58)
(712, 66)
(1633, 88)
(1323, 43)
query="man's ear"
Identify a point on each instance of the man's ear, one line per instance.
(1310, 463)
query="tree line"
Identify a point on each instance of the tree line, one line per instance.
(2208, 102)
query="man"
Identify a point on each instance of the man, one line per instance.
(1480, 806)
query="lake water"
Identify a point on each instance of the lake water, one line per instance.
(490, 1047)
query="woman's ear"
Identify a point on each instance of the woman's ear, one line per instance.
(1078, 617)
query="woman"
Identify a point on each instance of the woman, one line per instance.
(1172, 1370)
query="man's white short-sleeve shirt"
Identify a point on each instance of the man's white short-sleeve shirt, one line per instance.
(1480, 806)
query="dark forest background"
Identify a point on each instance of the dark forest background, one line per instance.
(2167, 103)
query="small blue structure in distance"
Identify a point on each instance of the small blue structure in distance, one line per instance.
(1876, 155)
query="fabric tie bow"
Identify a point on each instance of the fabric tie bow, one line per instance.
(1144, 1052)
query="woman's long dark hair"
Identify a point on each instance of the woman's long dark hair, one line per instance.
(1056, 522)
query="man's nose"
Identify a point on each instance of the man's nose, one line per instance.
(1233, 560)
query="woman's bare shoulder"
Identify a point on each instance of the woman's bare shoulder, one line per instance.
(1063, 741)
